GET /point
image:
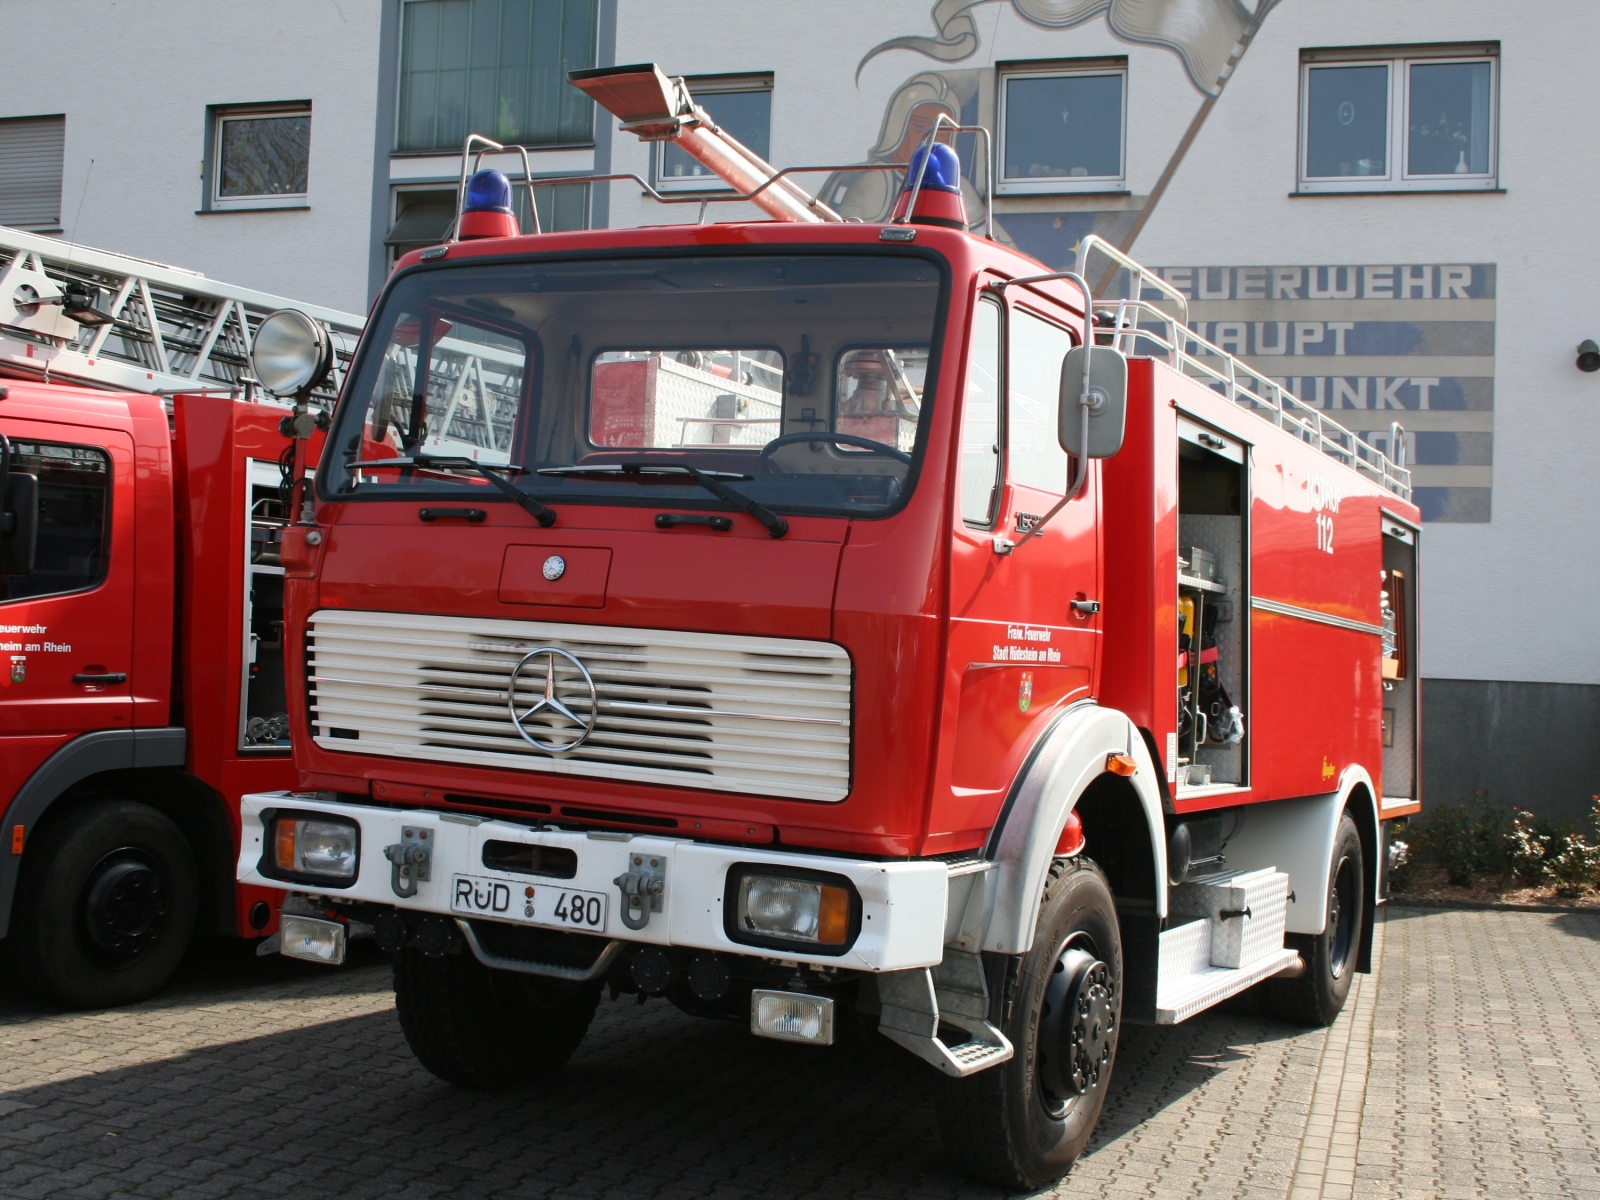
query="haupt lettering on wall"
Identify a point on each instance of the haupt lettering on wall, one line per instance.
(1373, 344)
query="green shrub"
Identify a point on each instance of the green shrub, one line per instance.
(1572, 862)
(1528, 843)
(1479, 839)
(1467, 840)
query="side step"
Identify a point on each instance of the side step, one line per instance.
(914, 1003)
(1230, 937)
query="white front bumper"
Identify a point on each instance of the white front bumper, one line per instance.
(902, 902)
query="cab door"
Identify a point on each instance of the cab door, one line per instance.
(66, 627)
(1019, 647)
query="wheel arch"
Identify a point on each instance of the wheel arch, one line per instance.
(1068, 766)
(79, 763)
(1296, 836)
(1362, 805)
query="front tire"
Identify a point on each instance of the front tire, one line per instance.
(486, 1029)
(1318, 996)
(1023, 1124)
(106, 905)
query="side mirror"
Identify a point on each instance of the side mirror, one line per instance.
(1108, 401)
(19, 524)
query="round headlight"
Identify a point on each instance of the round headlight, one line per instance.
(291, 353)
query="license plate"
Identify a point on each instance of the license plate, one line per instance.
(533, 903)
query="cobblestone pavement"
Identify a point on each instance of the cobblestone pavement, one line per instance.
(1469, 1066)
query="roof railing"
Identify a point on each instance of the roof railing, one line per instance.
(1135, 325)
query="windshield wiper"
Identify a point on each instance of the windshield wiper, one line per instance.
(710, 480)
(545, 516)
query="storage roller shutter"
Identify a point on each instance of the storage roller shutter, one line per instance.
(30, 172)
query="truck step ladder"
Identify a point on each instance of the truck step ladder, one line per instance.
(1227, 935)
(146, 327)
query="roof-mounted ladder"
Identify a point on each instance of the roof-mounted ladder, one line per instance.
(169, 330)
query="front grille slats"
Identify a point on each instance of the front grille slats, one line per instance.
(767, 716)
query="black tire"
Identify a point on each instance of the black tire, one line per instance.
(106, 905)
(1317, 997)
(1022, 1125)
(486, 1029)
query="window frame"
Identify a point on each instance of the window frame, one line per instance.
(57, 122)
(701, 86)
(1003, 384)
(108, 516)
(584, 141)
(1030, 186)
(1027, 306)
(219, 115)
(1398, 176)
(328, 479)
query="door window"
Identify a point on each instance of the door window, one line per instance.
(1032, 438)
(74, 514)
(980, 418)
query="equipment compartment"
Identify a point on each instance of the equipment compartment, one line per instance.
(1213, 608)
(1399, 663)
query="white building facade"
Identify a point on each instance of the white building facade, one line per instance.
(1371, 201)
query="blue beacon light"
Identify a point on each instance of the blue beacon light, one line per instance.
(486, 210)
(943, 173)
(939, 199)
(488, 191)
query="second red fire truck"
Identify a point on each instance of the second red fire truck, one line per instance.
(811, 622)
(141, 611)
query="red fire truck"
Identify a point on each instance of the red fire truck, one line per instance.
(811, 622)
(141, 662)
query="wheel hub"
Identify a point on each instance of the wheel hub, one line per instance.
(125, 905)
(1094, 1023)
(1077, 1026)
(1343, 912)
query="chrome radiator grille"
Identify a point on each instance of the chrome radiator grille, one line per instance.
(766, 716)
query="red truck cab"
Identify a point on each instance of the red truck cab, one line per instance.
(142, 690)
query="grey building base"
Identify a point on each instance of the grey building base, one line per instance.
(1532, 745)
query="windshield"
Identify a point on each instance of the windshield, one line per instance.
(796, 380)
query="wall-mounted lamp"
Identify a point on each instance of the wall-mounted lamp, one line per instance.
(1588, 355)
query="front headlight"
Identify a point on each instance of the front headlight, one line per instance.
(315, 846)
(806, 910)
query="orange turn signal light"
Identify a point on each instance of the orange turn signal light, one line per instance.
(1121, 764)
(283, 844)
(833, 917)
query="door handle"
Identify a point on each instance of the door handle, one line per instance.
(108, 677)
(1086, 607)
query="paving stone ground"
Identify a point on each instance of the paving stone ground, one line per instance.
(1469, 1066)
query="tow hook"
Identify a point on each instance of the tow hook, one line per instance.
(642, 888)
(412, 861)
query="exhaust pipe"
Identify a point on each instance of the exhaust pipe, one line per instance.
(660, 109)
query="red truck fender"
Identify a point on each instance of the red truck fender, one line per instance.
(1070, 755)
(85, 755)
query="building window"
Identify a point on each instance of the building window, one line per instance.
(30, 172)
(260, 156)
(494, 67)
(740, 104)
(1410, 119)
(423, 216)
(1063, 128)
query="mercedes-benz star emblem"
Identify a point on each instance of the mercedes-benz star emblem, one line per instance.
(563, 722)
(555, 567)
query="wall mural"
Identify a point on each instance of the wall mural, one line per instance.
(1370, 343)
